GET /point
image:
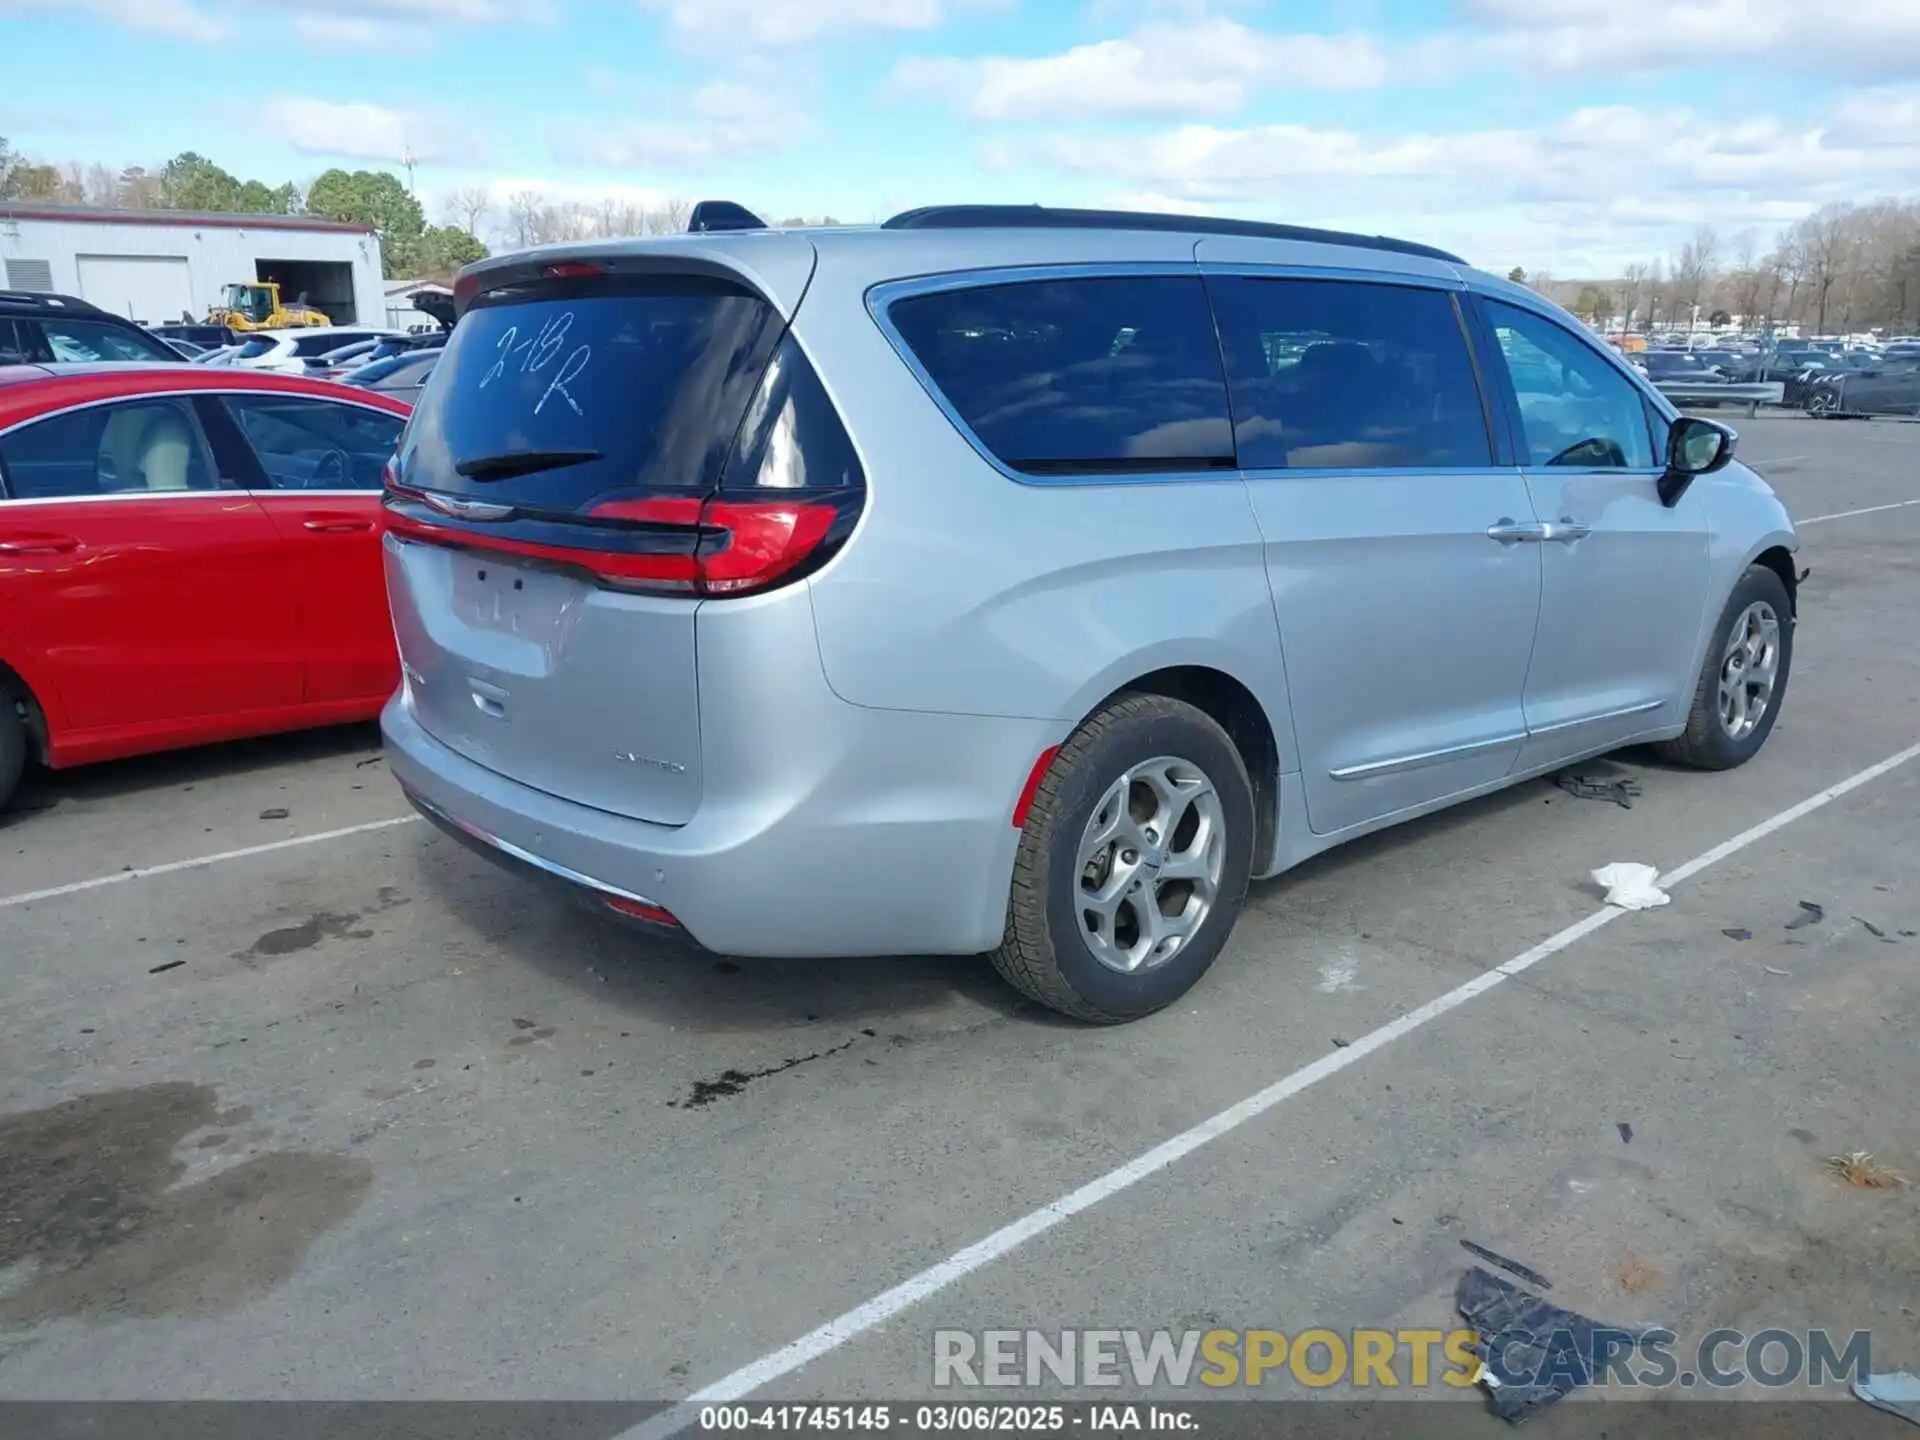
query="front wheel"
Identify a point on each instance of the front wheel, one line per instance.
(1133, 862)
(1743, 679)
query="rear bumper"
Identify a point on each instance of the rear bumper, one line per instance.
(895, 839)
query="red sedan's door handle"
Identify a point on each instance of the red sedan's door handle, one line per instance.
(39, 545)
(336, 527)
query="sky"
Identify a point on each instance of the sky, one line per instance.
(1564, 135)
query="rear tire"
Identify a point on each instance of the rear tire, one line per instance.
(1147, 807)
(13, 745)
(1822, 405)
(1747, 663)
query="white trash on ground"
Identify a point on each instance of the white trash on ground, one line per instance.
(1631, 886)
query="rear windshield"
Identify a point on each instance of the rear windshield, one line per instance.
(621, 383)
(253, 349)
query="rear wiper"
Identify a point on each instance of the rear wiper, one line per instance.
(521, 462)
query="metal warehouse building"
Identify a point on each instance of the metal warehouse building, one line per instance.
(157, 265)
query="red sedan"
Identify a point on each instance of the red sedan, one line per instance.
(186, 555)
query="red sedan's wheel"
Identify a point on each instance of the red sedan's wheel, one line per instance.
(13, 744)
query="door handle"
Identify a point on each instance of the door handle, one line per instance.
(40, 545)
(1564, 531)
(335, 527)
(1511, 532)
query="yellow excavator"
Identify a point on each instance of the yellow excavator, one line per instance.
(255, 305)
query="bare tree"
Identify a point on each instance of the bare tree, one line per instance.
(1694, 269)
(524, 208)
(467, 207)
(1826, 240)
(1633, 283)
(669, 217)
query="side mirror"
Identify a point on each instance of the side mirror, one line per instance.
(1694, 447)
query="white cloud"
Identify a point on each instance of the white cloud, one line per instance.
(361, 130)
(1615, 36)
(177, 19)
(724, 120)
(1205, 67)
(789, 22)
(1599, 182)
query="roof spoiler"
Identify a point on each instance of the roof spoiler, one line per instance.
(711, 215)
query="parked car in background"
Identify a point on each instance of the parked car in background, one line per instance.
(220, 355)
(186, 555)
(336, 363)
(289, 350)
(398, 375)
(1889, 388)
(1736, 365)
(37, 328)
(1683, 367)
(207, 337)
(186, 349)
(923, 589)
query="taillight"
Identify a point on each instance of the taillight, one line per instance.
(764, 540)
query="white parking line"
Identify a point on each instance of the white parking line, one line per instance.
(1848, 514)
(120, 877)
(883, 1307)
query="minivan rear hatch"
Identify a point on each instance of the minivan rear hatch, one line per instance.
(546, 518)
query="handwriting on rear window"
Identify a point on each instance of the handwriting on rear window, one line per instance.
(535, 352)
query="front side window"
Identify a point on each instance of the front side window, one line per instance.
(308, 444)
(1084, 375)
(136, 448)
(1575, 408)
(1329, 374)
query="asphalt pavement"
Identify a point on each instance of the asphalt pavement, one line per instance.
(361, 1117)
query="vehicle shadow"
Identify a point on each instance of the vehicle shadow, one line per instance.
(42, 790)
(682, 985)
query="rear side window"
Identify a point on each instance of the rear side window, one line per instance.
(138, 447)
(1329, 374)
(308, 346)
(87, 340)
(1091, 375)
(559, 396)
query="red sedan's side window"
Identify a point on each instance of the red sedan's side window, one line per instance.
(310, 444)
(136, 447)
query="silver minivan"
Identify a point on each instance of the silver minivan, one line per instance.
(1025, 581)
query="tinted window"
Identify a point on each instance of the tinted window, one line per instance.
(1326, 374)
(256, 347)
(557, 396)
(315, 345)
(1081, 375)
(84, 340)
(316, 444)
(400, 372)
(139, 447)
(1575, 408)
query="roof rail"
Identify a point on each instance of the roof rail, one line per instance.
(48, 300)
(722, 215)
(1041, 217)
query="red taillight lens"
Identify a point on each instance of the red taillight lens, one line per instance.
(653, 510)
(766, 540)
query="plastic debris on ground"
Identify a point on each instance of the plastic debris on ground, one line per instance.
(1897, 1393)
(1532, 1353)
(1512, 1267)
(1631, 886)
(1622, 790)
(1810, 914)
